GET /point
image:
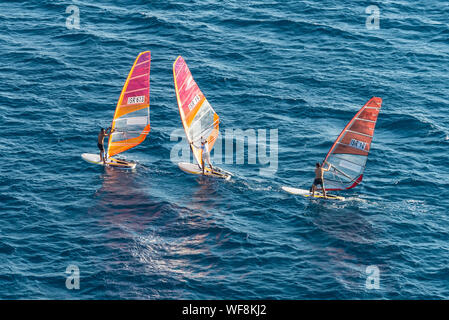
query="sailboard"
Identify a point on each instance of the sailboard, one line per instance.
(131, 121)
(306, 193)
(195, 169)
(346, 159)
(198, 118)
(95, 159)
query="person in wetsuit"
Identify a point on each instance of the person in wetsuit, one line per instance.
(319, 178)
(103, 133)
(205, 154)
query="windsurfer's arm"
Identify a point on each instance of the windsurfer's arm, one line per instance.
(194, 145)
(329, 166)
(110, 131)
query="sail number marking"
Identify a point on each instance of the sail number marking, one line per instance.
(138, 99)
(357, 144)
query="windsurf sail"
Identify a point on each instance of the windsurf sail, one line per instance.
(350, 151)
(198, 117)
(131, 122)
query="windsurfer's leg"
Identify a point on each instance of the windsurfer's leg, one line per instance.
(313, 190)
(208, 162)
(101, 152)
(324, 190)
(202, 165)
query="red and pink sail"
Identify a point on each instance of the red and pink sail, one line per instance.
(198, 117)
(131, 121)
(349, 153)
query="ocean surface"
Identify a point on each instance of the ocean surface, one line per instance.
(303, 68)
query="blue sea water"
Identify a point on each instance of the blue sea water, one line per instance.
(301, 67)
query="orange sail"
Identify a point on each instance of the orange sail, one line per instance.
(197, 115)
(349, 153)
(131, 122)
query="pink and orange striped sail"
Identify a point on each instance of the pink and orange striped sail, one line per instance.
(349, 153)
(131, 122)
(197, 115)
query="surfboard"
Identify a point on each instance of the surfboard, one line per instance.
(195, 169)
(199, 119)
(111, 162)
(307, 194)
(131, 121)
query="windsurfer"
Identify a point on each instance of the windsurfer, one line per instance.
(319, 178)
(103, 133)
(205, 154)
